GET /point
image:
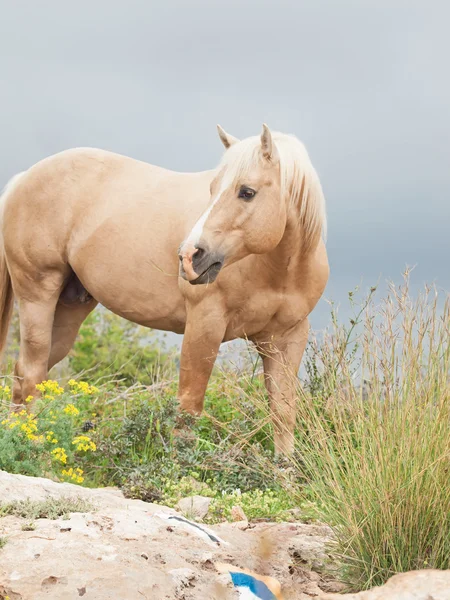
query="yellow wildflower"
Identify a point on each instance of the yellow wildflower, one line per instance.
(50, 387)
(70, 409)
(50, 437)
(5, 391)
(83, 442)
(29, 399)
(60, 454)
(74, 474)
(29, 428)
(25, 423)
(82, 387)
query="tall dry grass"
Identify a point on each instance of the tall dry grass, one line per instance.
(376, 453)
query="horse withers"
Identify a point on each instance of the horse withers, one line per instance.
(236, 252)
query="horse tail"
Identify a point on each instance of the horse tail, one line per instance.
(6, 299)
(6, 290)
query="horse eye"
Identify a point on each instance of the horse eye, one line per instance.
(246, 193)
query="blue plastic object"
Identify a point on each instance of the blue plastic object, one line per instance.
(258, 588)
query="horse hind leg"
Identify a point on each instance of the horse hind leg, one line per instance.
(50, 318)
(66, 324)
(36, 314)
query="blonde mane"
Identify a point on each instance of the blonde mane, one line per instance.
(299, 182)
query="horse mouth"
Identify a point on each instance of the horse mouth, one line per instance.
(209, 275)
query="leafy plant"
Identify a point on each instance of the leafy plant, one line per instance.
(109, 347)
(51, 441)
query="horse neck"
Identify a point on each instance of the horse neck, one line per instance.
(289, 252)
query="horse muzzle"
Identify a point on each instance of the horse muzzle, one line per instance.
(198, 265)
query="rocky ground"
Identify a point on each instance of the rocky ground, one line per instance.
(125, 549)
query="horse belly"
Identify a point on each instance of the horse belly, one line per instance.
(128, 283)
(150, 303)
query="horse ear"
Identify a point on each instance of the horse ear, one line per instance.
(227, 139)
(267, 146)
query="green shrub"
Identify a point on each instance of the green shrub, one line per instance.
(108, 348)
(154, 443)
(256, 504)
(265, 504)
(50, 442)
(137, 439)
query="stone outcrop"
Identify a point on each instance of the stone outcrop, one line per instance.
(122, 549)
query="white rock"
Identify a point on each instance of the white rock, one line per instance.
(194, 507)
(429, 584)
(237, 514)
(102, 557)
(182, 578)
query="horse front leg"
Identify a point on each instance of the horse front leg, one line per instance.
(205, 330)
(281, 359)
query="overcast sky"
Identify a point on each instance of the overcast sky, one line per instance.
(364, 84)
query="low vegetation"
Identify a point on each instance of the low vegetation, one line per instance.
(133, 437)
(51, 508)
(372, 456)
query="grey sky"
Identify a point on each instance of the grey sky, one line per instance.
(365, 84)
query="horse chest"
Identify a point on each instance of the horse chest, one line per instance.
(268, 310)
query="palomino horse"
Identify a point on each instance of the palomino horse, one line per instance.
(86, 226)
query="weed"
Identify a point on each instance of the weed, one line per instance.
(52, 508)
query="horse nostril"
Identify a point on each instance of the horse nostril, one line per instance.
(199, 253)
